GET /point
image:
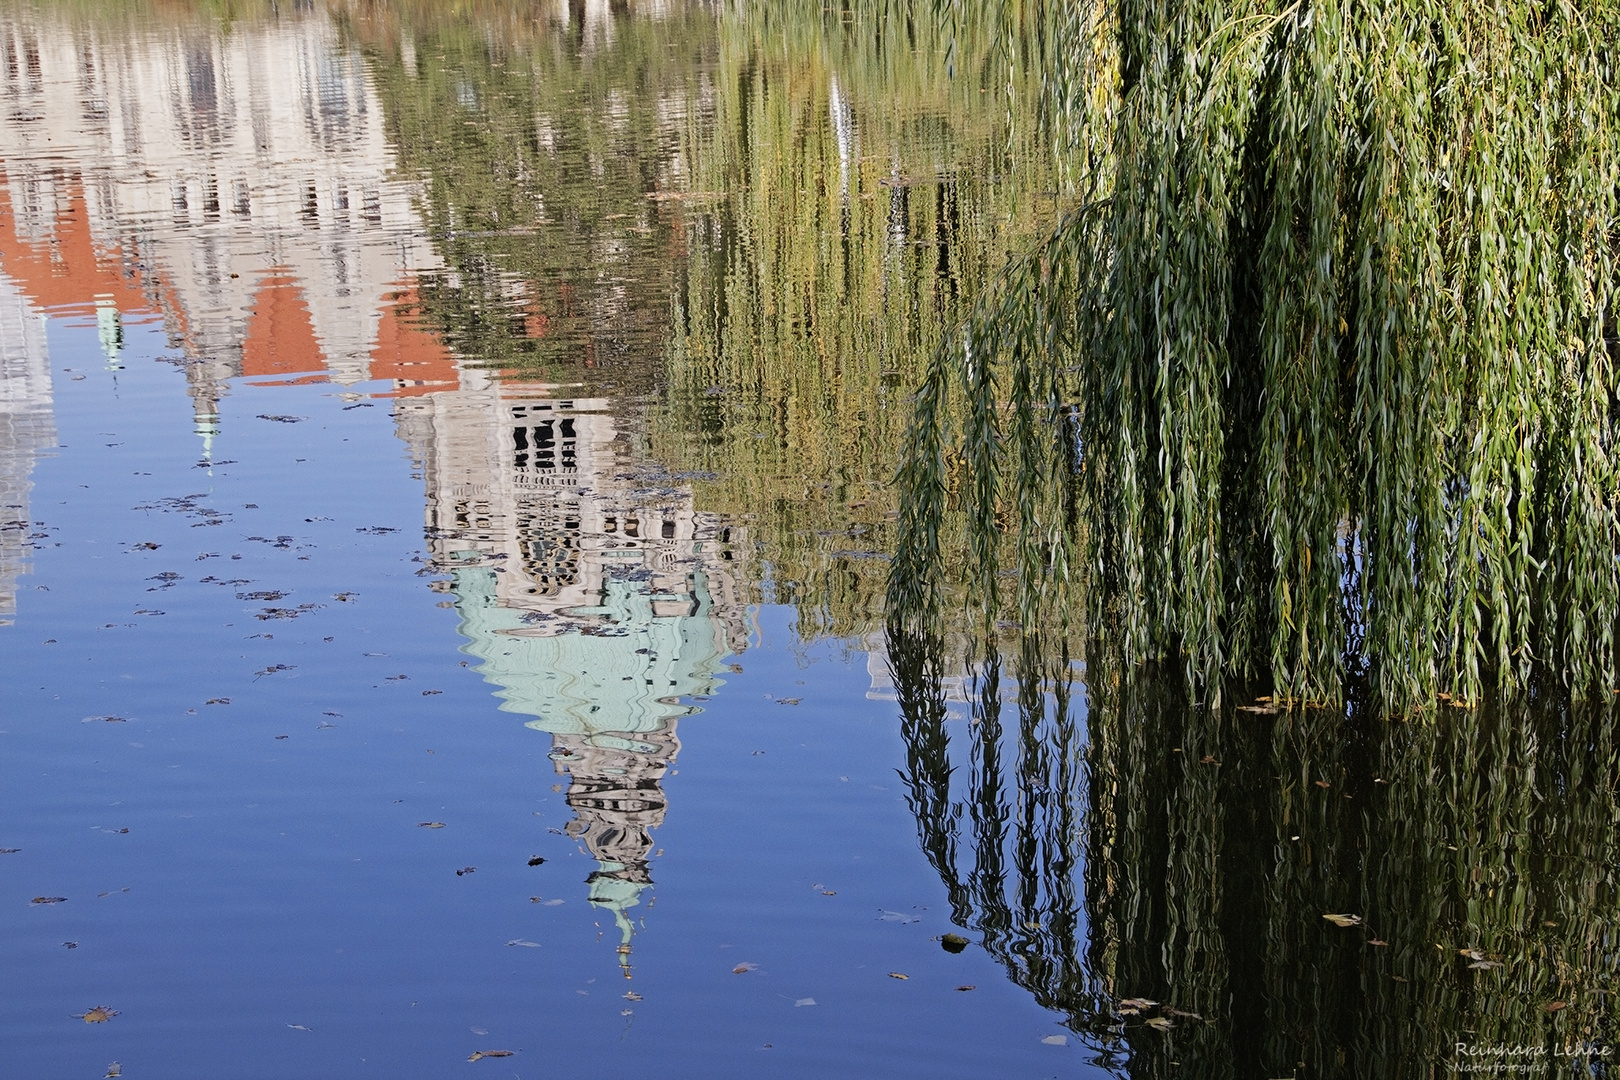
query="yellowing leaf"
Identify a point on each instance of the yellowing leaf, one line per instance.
(1343, 920)
(477, 1054)
(898, 975)
(98, 1015)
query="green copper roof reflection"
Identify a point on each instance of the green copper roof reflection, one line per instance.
(604, 681)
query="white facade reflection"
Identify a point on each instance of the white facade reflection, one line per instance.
(27, 427)
(238, 186)
(598, 603)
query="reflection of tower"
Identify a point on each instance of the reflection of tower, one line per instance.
(27, 426)
(617, 798)
(595, 603)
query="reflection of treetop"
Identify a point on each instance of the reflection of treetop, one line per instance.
(539, 154)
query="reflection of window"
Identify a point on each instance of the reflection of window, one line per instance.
(548, 544)
(472, 515)
(549, 446)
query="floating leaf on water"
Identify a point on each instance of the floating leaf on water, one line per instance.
(70, 944)
(801, 1002)
(1554, 1006)
(743, 969)
(9, 850)
(115, 1069)
(1137, 1003)
(1161, 1023)
(898, 975)
(536, 860)
(218, 701)
(1485, 965)
(896, 916)
(967, 986)
(430, 824)
(521, 943)
(1377, 941)
(1182, 1014)
(298, 1027)
(1343, 920)
(1055, 1040)
(48, 900)
(788, 701)
(104, 719)
(465, 870)
(1472, 954)
(1322, 784)
(98, 1015)
(953, 943)
(631, 995)
(477, 1054)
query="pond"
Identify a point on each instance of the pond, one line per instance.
(447, 467)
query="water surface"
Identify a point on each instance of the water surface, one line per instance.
(376, 692)
(444, 512)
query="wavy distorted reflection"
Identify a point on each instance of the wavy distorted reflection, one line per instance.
(597, 600)
(238, 187)
(27, 428)
(1161, 874)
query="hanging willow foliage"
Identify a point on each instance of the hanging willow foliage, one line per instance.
(1320, 376)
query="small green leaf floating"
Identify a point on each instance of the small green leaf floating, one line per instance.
(953, 943)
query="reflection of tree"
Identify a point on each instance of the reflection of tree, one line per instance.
(1214, 842)
(857, 197)
(539, 146)
(1021, 793)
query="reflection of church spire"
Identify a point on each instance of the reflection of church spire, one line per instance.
(588, 599)
(608, 689)
(617, 798)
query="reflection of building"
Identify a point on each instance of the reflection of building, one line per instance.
(235, 184)
(27, 426)
(598, 605)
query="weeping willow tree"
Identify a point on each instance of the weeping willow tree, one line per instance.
(1318, 377)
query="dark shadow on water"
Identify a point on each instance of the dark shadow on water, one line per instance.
(1159, 873)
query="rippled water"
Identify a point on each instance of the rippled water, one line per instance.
(400, 567)
(444, 513)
